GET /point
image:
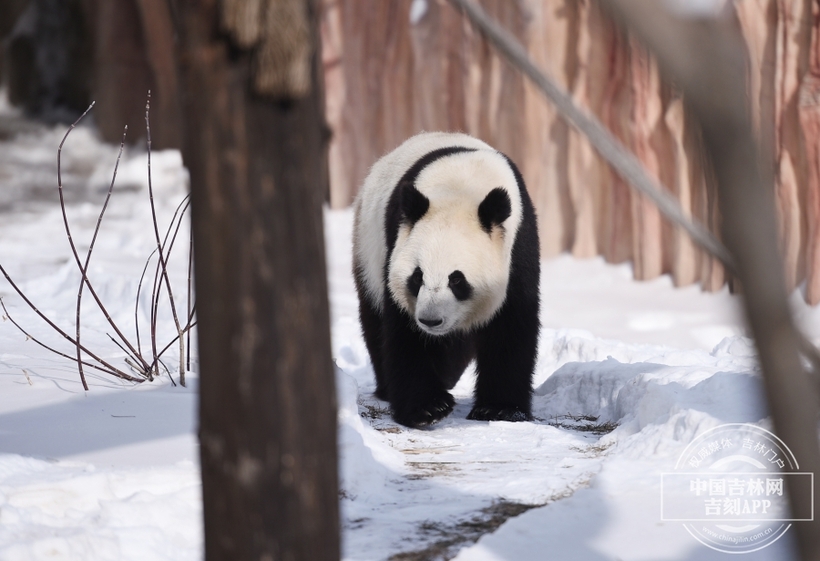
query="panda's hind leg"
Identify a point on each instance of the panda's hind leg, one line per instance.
(373, 339)
(372, 328)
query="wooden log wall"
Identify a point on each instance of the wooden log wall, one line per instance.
(396, 68)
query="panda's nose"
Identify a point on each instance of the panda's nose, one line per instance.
(431, 322)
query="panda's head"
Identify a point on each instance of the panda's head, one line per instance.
(450, 265)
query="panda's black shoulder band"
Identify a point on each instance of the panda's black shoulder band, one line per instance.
(414, 171)
(408, 204)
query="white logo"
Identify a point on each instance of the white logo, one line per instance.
(728, 489)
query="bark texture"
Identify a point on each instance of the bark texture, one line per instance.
(134, 52)
(47, 47)
(396, 68)
(267, 400)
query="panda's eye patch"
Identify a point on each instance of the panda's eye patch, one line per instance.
(415, 281)
(458, 284)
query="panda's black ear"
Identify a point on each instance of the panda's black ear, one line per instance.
(494, 209)
(414, 205)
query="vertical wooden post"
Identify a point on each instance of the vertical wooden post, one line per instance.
(46, 54)
(134, 52)
(267, 398)
(10, 10)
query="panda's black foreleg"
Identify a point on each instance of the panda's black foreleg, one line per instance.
(506, 353)
(417, 371)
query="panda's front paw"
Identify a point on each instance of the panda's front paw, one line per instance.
(424, 415)
(496, 413)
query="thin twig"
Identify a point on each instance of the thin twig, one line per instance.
(160, 255)
(190, 310)
(181, 208)
(128, 353)
(137, 301)
(180, 211)
(47, 320)
(74, 248)
(107, 368)
(134, 367)
(84, 270)
(134, 357)
(171, 377)
(185, 329)
(153, 314)
(60, 188)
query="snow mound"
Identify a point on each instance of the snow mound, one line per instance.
(667, 402)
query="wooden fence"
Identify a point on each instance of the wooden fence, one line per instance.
(396, 68)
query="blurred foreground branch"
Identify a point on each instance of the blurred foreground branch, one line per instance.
(707, 60)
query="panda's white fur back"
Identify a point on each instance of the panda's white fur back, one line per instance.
(450, 231)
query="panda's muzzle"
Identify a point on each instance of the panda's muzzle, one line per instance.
(432, 314)
(431, 322)
(436, 305)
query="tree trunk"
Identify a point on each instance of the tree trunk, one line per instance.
(10, 10)
(267, 399)
(134, 54)
(47, 55)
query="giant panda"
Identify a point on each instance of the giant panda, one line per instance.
(446, 264)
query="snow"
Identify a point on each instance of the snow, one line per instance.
(418, 8)
(628, 375)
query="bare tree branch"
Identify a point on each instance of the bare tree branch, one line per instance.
(137, 306)
(162, 262)
(134, 356)
(190, 306)
(84, 270)
(106, 367)
(74, 247)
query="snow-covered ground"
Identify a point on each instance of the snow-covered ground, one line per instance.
(629, 374)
